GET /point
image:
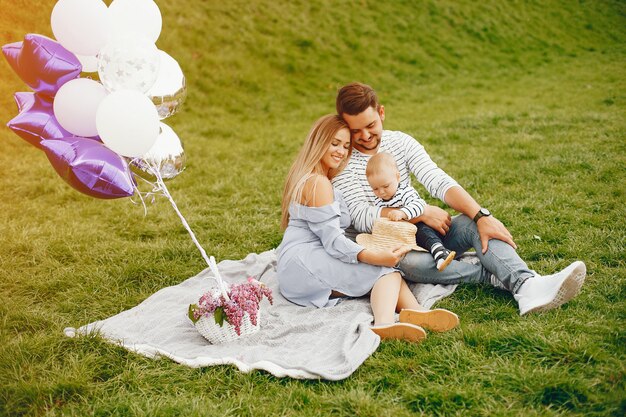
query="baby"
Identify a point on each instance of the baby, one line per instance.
(384, 178)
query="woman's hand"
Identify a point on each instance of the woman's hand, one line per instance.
(389, 258)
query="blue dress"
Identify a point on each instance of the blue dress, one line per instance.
(315, 257)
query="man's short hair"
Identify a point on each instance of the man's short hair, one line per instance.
(354, 98)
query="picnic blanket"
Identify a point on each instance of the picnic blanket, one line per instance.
(299, 342)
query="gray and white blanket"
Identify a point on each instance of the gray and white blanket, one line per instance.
(299, 342)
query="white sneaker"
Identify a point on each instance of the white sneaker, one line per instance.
(539, 293)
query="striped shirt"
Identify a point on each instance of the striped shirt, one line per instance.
(405, 199)
(410, 156)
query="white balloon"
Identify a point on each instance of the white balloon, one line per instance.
(81, 26)
(129, 64)
(75, 106)
(89, 62)
(136, 18)
(127, 122)
(169, 91)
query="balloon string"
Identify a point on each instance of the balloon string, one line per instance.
(155, 190)
(210, 261)
(145, 209)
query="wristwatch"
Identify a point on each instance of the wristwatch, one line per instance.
(483, 212)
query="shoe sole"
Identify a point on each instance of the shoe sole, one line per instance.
(447, 261)
(437, 320)
(400, 331)
(569, 289)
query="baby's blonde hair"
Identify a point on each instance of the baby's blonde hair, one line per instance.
(379, 163)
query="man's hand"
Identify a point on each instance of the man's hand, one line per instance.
(491, 228)
(397, 215)
(437, 218)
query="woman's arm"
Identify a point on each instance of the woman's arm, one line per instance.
(383, 257)
(318, 192)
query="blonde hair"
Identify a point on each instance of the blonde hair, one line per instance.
(308, 161)
(381, 162)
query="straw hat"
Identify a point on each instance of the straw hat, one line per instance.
(387, 234)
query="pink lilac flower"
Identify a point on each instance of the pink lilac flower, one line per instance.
(244, 298)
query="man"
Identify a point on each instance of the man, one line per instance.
(475, 228)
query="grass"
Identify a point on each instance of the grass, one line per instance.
(522, 102)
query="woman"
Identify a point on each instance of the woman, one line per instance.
(317, 263)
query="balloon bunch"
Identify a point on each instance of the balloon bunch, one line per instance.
(95, 128)
(99, 94)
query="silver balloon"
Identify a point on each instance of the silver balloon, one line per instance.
(166, 155)
(169, 91)
(128, 64)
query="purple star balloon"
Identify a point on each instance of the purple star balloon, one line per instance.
(36, 121)
(90, 167)
(42, 63)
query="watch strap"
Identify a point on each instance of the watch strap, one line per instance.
(481, 213)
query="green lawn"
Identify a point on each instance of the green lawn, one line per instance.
(523, 102)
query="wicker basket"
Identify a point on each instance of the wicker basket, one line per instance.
(217, 334)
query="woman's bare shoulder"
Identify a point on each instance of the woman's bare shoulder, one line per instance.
(317, 191)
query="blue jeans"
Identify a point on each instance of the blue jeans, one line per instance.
(501, 260)
(426, 236)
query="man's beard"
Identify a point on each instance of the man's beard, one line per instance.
(372, 144)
